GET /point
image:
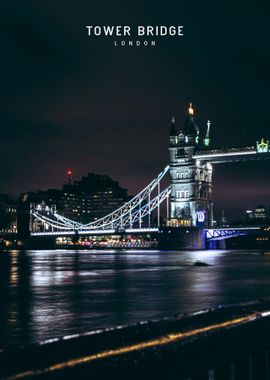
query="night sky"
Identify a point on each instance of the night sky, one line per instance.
(70, 101)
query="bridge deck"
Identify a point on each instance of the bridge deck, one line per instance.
(96, 232)
(231, 155)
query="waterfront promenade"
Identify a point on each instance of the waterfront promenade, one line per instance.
(225, 343)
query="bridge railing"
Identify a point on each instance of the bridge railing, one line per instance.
(230, 342)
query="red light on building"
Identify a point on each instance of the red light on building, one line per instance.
(69, 173)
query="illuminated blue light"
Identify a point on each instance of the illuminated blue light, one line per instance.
(200, 216)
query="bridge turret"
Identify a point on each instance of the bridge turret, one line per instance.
(191, 181)
(262, 146)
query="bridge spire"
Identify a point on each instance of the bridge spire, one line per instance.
(207, 139)
(191, 129)
(190, 109)
(173, 131)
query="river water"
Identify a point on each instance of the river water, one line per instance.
(47, 294)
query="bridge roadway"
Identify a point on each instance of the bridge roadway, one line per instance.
(218, 156)
(210, 233)
(231, 342)
(93, 232)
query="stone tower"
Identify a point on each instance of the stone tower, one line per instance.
(191, 180)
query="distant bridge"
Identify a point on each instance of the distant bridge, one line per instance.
(228, 232)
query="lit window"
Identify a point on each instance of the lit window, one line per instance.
(182, 194)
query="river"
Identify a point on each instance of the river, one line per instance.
(47, 294)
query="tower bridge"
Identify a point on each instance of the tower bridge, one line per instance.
(188, 198)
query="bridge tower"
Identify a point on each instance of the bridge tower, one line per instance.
(191, 180)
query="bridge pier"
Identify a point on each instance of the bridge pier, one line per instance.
(216, 244)
(44, 242)
(192, 238)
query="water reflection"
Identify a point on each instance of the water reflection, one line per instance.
(45, 294)
(15, 290)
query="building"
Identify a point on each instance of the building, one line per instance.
(89, 199)
(191, 180)
(258, 215)
(93, 197)
(260, 212)
(8, 215)
(49, 197)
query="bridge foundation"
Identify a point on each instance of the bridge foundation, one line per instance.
(45, 242)
(192, 238)
(216, 244)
